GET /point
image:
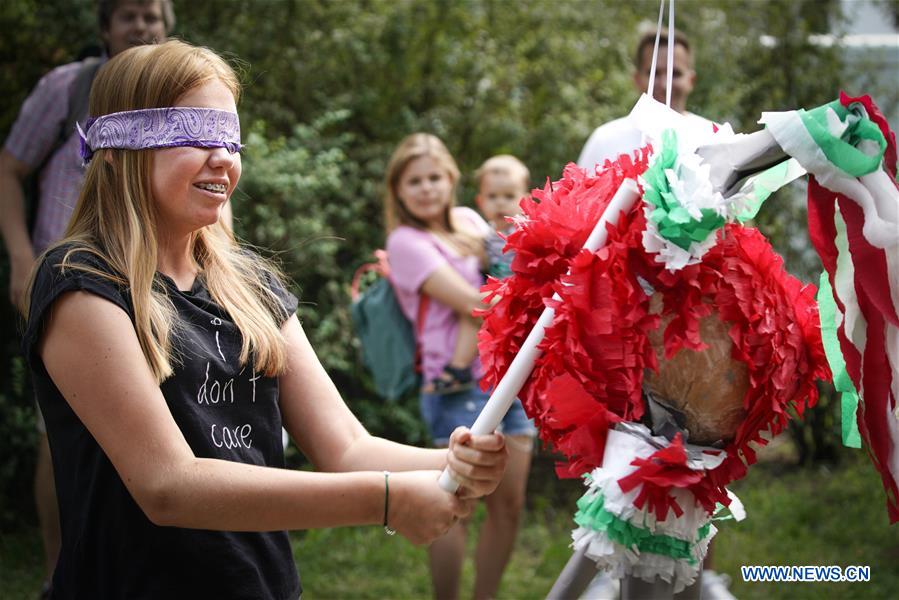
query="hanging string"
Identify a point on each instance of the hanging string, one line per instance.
(670, 76)
(655, 52)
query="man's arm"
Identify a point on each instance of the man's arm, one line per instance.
(13, 226)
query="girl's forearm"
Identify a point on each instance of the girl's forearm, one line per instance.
(374, 453)
(223, 495)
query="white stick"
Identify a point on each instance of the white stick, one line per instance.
(507, 389)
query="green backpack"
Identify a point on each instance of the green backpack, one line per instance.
(389, 346)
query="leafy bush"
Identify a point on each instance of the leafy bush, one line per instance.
(331, 88)
(18, 435)
(302, 200)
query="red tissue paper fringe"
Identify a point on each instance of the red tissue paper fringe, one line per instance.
(590, 372)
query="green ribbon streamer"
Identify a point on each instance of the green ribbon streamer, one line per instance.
(842, 151)
(764, 186)
(591, 514)
(722, 513)
(760, 186)
(827, 310)
(671, 219)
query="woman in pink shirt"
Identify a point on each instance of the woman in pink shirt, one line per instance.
(437, 249)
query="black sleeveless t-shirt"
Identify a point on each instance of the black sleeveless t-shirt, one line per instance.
(225, 410)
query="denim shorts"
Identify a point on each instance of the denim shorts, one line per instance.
(443, 413)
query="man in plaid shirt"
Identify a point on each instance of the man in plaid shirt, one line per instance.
(37, 142)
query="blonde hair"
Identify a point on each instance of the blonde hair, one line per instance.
(505, 165)
(115, 218)
(415, 146)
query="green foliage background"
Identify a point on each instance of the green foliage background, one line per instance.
(332, 86)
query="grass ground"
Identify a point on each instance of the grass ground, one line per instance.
(810, 516)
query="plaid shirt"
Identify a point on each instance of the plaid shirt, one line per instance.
(33, 135)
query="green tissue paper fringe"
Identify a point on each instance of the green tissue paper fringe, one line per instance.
(671, 219)
(591, 514)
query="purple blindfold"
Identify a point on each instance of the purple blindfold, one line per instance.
(161, 128)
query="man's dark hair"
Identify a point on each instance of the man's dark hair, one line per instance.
(648, 39)
(105, 8)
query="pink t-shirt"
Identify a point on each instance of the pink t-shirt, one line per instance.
(414, 255)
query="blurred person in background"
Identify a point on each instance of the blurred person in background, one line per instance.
(617, 137)
(40, 161)
(437, 252)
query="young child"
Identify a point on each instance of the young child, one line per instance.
(502, 181)
(165, 358)
(436, 250)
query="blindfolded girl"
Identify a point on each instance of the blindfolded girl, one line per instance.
(166, 359)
